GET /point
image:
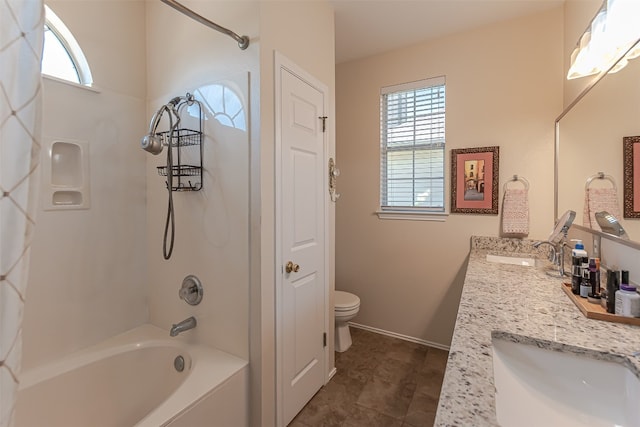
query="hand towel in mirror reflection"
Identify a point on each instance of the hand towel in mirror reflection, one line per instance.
(597, 200)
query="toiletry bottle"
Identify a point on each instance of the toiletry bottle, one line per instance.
(627, 299)
(598, 290)
(576, 266)
(594, 293)
(604, 299)
(612, 287)
(585, 283)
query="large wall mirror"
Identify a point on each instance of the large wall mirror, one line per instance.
(589, 141)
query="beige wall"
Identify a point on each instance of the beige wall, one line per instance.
(304, 33)
(87, 278)
(504, 87)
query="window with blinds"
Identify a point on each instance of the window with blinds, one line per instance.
(412, 119)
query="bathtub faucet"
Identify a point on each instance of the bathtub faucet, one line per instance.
(185, 325)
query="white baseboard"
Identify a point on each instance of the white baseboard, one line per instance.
(400, 336)
(332, 373)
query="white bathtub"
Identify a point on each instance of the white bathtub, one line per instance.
(130, 380)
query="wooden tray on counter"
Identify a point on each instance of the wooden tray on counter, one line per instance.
(595, 311)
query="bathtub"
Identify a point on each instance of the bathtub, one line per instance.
(131, 380)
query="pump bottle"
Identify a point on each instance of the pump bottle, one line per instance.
(577, 254)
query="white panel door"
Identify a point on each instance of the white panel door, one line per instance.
(303, 242)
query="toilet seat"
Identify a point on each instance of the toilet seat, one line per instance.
(345, 301)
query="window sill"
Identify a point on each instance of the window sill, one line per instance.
(413, 216)
(72, 84)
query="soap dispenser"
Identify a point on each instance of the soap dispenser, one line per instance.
(577, 254)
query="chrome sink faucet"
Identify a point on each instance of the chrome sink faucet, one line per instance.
(556, 254)
(553, 251)
(185, 325)
(563, 245)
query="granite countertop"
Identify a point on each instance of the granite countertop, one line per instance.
(521, 304)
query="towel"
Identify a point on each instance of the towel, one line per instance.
(597, 200)
(515, 212)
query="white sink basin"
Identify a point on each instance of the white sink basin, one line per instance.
(542, 387)
(515, 260)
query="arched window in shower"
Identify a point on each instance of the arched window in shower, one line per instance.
(62, 57)
(224, 104)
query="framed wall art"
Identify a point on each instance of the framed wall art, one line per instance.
(631, 147)
(474, 180)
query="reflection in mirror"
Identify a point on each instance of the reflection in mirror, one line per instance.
(609, 37)
(590, 140)
(610, 225)
(561, 228)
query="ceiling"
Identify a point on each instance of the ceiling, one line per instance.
(370, 27)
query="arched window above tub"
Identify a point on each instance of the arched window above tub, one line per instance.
(62, 57)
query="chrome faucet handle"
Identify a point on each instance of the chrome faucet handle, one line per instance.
(191, 290)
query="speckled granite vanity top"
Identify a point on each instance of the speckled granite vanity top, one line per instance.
(521, 304)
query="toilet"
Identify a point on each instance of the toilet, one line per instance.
(346, 308)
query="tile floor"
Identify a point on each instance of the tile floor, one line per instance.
(380, 381)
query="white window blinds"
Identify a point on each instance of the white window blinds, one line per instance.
(412, 124)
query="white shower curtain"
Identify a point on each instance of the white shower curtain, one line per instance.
(21, 39)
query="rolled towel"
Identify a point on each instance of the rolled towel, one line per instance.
(515, 212)
(597, 200)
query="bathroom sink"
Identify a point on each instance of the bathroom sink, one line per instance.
(537, 386)
(524, 260)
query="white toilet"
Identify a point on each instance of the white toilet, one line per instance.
(347, 306)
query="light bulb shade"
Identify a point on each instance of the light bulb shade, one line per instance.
(611, 33)
(619, 66)
(634, 52)
(582, 60)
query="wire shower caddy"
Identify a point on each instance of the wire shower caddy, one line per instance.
(186, 145)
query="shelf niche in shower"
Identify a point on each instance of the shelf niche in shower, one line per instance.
(65, 169)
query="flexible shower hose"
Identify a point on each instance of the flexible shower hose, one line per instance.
(170, 214)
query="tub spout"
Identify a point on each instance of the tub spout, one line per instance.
(185, 325)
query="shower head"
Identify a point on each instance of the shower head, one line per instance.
(151, 142)
(175, 101)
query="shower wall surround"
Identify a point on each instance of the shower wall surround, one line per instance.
(100, 271)
(96, 272)
(212, 225)
(88, 266)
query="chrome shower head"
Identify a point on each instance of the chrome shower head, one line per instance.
(151, 143)
(175, 101)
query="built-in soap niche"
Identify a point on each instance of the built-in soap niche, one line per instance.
(65, 174)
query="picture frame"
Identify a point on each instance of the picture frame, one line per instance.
(631, 166)
(475, 180)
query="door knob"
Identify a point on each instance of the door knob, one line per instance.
(291, 267)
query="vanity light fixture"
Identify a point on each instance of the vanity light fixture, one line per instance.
(610, 36)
